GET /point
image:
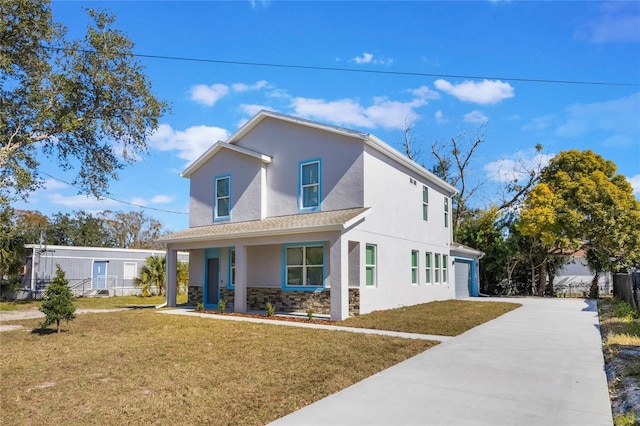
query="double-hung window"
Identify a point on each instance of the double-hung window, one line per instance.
(310, 186)
(232, 269)
(304, 266)
(446, 212)
(425, 203)
(427, 268)
(222, 198)
(445, 259)
(370, 265)
(436, 268)
(414, 266)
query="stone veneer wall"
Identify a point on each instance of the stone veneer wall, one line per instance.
(293, 301)
(285, 301)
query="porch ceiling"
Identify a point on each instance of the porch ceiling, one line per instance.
(333, 220)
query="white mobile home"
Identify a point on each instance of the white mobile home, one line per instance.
(90, 270)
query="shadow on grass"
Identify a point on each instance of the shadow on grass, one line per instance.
(46, 331)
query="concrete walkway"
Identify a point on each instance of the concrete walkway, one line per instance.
(540, 364)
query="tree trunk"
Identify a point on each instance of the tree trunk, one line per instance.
(533, 278)
(549, 290)
(593, 290)
(58, 324)
(542, 279)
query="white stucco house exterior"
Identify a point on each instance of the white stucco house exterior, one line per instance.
(307, 215)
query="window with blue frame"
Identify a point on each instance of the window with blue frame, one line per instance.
(309, 186)
(304, 266)
(231, 282)
(222, 198)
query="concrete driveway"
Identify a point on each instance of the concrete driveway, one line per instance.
(541, 364)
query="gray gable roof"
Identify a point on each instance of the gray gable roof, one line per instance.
(333, 220)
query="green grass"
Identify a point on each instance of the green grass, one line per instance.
(142, 367)
(95, 302)
(445, 318)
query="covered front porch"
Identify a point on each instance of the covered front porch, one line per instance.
(296, 263)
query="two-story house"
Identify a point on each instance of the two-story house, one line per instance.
(307, 215)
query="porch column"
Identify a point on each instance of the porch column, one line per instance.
(240, 294)
(339, 277)
(172, 277)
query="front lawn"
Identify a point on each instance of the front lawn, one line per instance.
(141, 367)
(445, 318)
(95, 302)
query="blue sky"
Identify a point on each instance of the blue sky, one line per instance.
(501, 43)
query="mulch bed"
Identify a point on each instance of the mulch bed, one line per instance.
(273, 317)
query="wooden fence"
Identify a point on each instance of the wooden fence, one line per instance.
(627, 287)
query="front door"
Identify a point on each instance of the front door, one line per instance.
(99, 275)
(213, 285)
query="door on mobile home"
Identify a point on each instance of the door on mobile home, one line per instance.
(99, 275)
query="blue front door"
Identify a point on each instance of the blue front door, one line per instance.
(212, 289)
(99, 275)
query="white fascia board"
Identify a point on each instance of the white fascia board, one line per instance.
(394, 154)
(356, 219)
(215, 148)
(250, 234)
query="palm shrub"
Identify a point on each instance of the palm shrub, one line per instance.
(152, 274)
(57, 303)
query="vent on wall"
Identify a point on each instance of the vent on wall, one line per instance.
(412, 181)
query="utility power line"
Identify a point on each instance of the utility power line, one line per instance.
(354, 70)
(115, 199)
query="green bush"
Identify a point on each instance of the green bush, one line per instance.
(222, 305)
(57, 303)
(623, 309)
(271, 309)
(199, 306)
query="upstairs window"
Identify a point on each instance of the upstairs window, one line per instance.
(446, 212)
(425, 203)
(222, 198)
(309, 188)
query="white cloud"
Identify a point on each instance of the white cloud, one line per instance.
(618, 22)
(81, 201)
(425, 93)
(190, 143)
(475, 117)
(539, 123)
(616, 119)
(516, 167)
(368, 58)
(383, 113)
(439, 116)
(485, 92)
(253, 109)
(208, 95)
(243, 87)
(53, 184)
(635, 184)
(162, 199)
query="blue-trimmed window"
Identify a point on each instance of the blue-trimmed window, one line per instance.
(303, 266)
(222, 198)
(309, 185)
(425, 203)
(231, 280)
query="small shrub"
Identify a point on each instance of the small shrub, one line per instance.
(628, 419)
(222, 305)
(271, 309)
(625, 310)
(57, 303)
(310, 314)
(199, 306)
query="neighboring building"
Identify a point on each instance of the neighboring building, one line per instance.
(307, 215)
(91, 271)
(574, 278)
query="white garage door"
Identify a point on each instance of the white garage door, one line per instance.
(463, 278)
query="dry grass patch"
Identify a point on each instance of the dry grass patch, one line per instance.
(140, 367)
(445, 318)
(95, 302)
